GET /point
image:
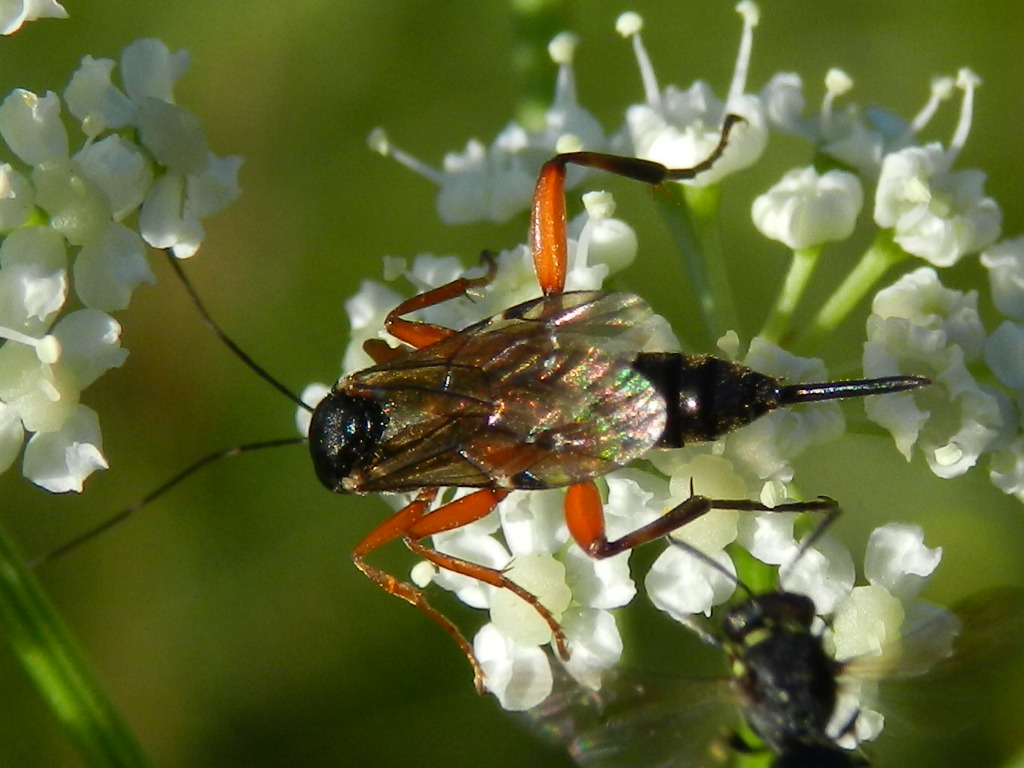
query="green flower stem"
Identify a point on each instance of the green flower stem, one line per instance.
(883, 254)
(800, 270)
(59, 670)
(693, 224)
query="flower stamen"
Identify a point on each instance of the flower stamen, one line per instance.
(837, 83)
(379, 142)
(562, 49)
(751, 14)
(629, 25)
(48, 348)
(942, 89)
(967, 81)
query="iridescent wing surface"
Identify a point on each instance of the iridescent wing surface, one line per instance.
(540, 396)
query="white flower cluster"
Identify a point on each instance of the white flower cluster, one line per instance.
(922, 207)
(75, 226)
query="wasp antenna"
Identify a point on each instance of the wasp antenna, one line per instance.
(831, 515)
(835, 390)
(156, 493)
(710, 562)
(238, 351)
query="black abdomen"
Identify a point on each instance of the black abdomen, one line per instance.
(706, 397)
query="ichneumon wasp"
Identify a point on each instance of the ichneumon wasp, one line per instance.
(549, 393)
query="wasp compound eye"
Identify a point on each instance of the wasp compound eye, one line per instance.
(344, 433)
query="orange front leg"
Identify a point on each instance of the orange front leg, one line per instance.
(418, 334)
(415, 521)
(395, 527)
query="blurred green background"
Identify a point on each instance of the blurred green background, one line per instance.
(227, 619)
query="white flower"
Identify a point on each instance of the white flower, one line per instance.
(805, 208)
(937, 213)
(195, 183)
(42, 388)
(494, 183)
(520, 677)
(33, 279)
(91, 345)
(1005, 264)
(31, 126)
(897, 559)
(108, 271)
(15, 13)
(62, 459)
(1006, 468)
(603, 242)
(92, 97)
(825, 573)
(16, 198)
(680, 129)
(884, 623)
(576, 589)
(765, 449)
(119, 168)
(1004, 354)
(76, 205)
(82, 199)
(952, 421)
(857, 138)
(918, 325)
(681, 585)
(920, 298)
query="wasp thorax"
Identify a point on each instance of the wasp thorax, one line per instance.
(344, 433)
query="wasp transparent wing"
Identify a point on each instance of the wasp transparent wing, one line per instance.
(539, 396)
(929, 705)
(639, 720)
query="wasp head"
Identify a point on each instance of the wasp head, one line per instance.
(774, 611)
(344, 433)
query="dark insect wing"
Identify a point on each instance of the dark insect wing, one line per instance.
(540, 396)
(925, 705)
(639, 720)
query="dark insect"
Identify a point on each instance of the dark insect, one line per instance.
(550, 393)
(784, 684)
